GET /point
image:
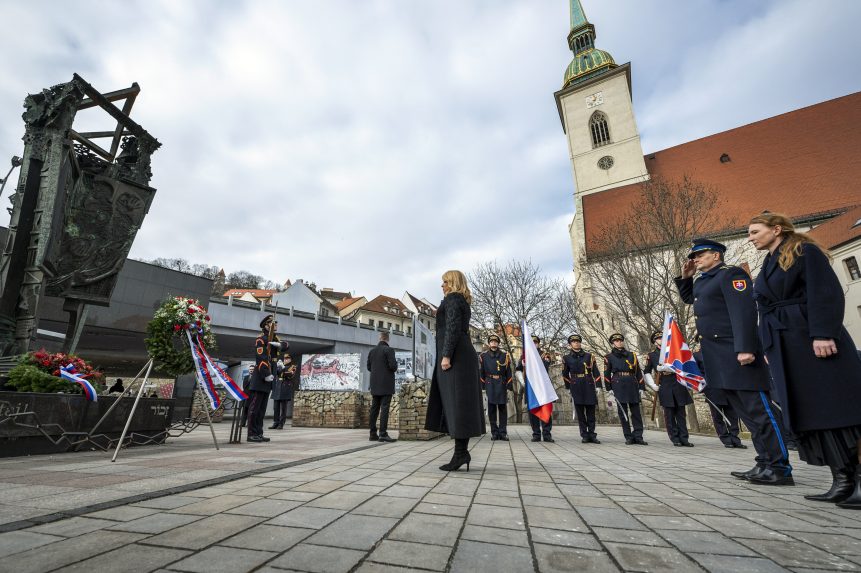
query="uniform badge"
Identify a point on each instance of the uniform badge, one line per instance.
(260, 350)
(739, 285)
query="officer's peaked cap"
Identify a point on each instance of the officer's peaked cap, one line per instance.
(656, 335)
(699, 245)
(535, 338)
(266, 320)
(575, 338)
(492, 337)
(615, 336)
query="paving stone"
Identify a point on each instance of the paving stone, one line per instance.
(730, 564)
(132, 558)
(559, 518)
(40, 559)
(341, 500)
(167, 502)
(265, 507)
(565, 538)
(495, 516)
(410, 491)
(831, 542)
(123, 513)
(354, 532)
(369, 567)
(205, 532)
(678, 522)
(411, 555)
(223, 560)
(17, 541)
(424, 528)
(73, 526)
(156, 523)
(295, 495)
(268, 538)
(310, 517)
(316, 559)
(388, 507)
(736, 527)
(633, 536)
(496, 535)
(650, 559)
(474, 556)
(553, 559)
(213, 505)
(794, 554)
(440, 509)
(321, 486)
(705, 542)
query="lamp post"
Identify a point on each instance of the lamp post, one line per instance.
(16, 162)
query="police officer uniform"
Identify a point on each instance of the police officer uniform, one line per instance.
(624, 378)
(724, 417)
(282, 391)
(539, 428)
(495, 374)
(581, 374)
(672, 395)
(265, 354)
(726, 319)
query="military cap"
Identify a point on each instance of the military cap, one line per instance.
(615, 336)
(492, 337)
(535, 339)
(266, 320)
(656, 335)
(575, 338)
(699, 245)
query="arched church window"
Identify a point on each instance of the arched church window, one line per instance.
(600, 129)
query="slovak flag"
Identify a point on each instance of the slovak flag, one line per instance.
(676, 355)
(540, 394)
(69, 373)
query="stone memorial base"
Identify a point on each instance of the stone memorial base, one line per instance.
(331, 409)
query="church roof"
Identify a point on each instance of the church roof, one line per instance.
(802, 163)
(840, 230)
(587, 64)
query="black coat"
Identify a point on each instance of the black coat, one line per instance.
(796, 307)
(282, 388)
(494, 369)
(581, 374)
(622, 375)
(726, 320)
(454, 403)
(265, 356)
(382, 365)
(716, 395)
(671, 393)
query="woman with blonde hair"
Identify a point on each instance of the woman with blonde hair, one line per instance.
(813, 361)
(454, 403)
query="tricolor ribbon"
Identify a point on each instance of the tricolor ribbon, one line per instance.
(68, 372)
(208, 373)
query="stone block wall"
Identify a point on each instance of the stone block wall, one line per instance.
(328, 409)
(412, 409)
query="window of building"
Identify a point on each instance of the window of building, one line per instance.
(389, 326)
(852, 268)
(409, 330)
(370, 322)
(599, 129)
(380, 323)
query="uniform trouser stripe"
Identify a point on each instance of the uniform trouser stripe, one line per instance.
(776, 427)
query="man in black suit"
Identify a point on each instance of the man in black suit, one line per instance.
(382, 366)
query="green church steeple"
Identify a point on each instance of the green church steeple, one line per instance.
(588, 60)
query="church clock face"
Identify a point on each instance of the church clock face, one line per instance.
(605, 162)
(594, 100)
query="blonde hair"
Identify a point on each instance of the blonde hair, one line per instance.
(457, 282)
(793, 241)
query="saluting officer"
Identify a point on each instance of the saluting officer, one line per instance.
(266, 352)
(672, 395)
(581, 374)
(539, 428)
(624, 378)
(726, 318)
(495, 374)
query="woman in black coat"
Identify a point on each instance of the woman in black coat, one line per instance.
(454, 403)
(812, 358)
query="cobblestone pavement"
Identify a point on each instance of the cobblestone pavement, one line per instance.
(522, 507)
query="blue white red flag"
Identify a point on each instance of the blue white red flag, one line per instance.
(69, 373)
(540, 394)
(676, 354)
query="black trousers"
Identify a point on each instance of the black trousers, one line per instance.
(586, 419)
(380, 407)
(727, 434)
(677, 424)
(755, 410)
(500, 412)
(630, 415)
(539, 427)
(256, 411)
(279, 413)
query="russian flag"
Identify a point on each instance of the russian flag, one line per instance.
(676, 354)
(540, 394)
(68, 373)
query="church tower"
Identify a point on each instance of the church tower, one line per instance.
(597, 114)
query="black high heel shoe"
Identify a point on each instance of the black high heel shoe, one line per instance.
(456, 462)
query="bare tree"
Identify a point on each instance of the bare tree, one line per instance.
(505, 295)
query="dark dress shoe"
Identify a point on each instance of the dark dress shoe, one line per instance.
(687, 444)
(641, 442)
(744, 475)
(374, 438)
(503, 438)
(728, 445)
(677, 444)
(595, 441)
(273, 427)
(387, 438)
(493, 438)
(264, 439)
(585, 441)
(841, 487)
(253, 439)
(629, 441)
(536, 438)
(740, 446)
(769, 477)
(549, 439)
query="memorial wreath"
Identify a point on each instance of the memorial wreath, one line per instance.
(42, 371)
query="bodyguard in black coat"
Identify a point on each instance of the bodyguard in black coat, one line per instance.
(382, 365)
(624, 378)
(813, 360)
(672, 395)
(726, 319)
(494, 370)
(581, 374)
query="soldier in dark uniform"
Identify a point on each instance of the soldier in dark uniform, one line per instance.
(724, 417)
(672, 395)
(624, 379)
(581, 374)
(539, 428)
(282, 391)
(495, 373)
(265, 353)
(726, 318)
(246, 382)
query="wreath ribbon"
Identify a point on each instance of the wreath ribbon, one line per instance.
(208, 373)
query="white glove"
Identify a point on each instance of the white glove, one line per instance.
(663, 368)
(280, 364)
(650, 382)
(275, 344)
(269, 378)
(611, 400)
(642, 394)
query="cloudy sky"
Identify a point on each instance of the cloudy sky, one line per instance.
(371, 145)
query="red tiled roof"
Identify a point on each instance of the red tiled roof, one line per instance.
(395, 306)
(839, 230)
(800, 163)
(422, 306)
(256, 292)
(342, 304)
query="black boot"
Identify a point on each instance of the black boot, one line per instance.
(841, 487)
(461, 456)
(854, 499)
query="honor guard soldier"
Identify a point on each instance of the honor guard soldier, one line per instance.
(672, 395)
(495, 374)
(624, 379)
(724, 417)
(539, 429)
(266, 348)
(581, 374)
(726, 318)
